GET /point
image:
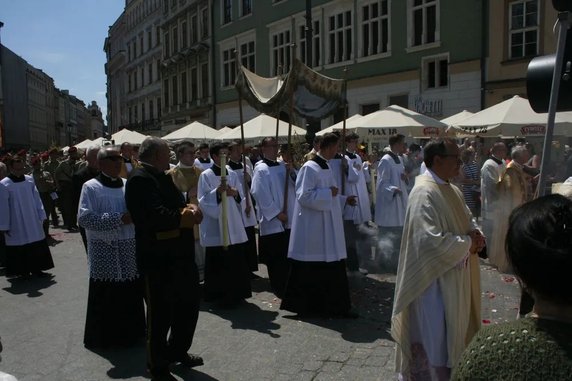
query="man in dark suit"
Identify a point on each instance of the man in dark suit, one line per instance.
(165, 256)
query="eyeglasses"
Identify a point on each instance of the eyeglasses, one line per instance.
(113, 158)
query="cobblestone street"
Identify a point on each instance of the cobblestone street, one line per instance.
(43, 319)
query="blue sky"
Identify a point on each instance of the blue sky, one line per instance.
(64, 38)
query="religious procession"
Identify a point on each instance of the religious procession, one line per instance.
(170, 223)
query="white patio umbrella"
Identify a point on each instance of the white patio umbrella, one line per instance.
(193, 131)
(513, 117)
(127, 136)
(395, 119)
(98, 142)
(457, 118)
(339, 126)
(84, 144)
(263, 126)
(222, 131)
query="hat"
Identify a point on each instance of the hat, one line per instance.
(72, 150)
(35, 160)
(44, 155)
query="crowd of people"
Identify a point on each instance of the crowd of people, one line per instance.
(158, 220)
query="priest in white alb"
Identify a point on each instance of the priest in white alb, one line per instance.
(436, 307)
(391, 202)
(26, 248)
(227, 275)
(317, 283)
(268, 192)
(115, 312)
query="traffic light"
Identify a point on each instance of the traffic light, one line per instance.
(539, 79)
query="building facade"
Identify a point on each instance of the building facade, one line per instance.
(95, 122)
(35, 114)
(526, 32)
(143, 48)
(186, 64)
(408, 53)
(436, 57)
(114, 47)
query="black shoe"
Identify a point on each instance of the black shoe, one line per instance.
(162, 376)
(190, 361)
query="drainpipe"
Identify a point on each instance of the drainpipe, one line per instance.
(484, 49)
(213, 64)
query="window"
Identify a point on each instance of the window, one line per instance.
(150, 73)
(369, 108)
(226, 11)
(424, 22)
(315, 44)
(523, 28)
(130, 89)
(399, 100)
(166, 49)
(166, 92)
(194, 87)
(281, 52)
(229, 68)
(204, 80)
(436, 72)
(149, 42)
(151, 109)
(175, 34)
(204, 23)
(158, 70)
(141, 44)
(184, 35)
(375, 28)
(158, 108)
(340, 37)
(194, 29)
(142, 111)
(247, 55)
(184, 98)
(157, 35)
(245, 7)
(175, 90)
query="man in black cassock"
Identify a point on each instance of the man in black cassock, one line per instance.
(165, 256)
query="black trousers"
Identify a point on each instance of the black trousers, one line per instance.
(49, 206)
(173, 298)
(67, 204)
(274, 247)
(352, 235)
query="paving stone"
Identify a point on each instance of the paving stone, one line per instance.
(43, 324)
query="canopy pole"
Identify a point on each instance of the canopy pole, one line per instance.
(564, 24)
(279, 74)
(372, 172)
(245, 188)
(289, 144)
(344, 164)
